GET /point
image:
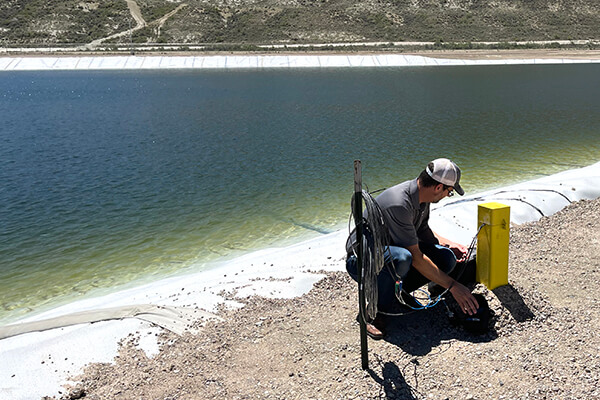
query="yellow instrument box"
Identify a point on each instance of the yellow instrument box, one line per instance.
(492, 244)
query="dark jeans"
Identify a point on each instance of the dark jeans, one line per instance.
(401, 260)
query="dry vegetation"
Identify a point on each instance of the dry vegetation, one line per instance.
(34, 22)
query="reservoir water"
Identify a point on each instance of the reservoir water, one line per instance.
(115, 178)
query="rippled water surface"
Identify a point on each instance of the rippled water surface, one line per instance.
(121, 177)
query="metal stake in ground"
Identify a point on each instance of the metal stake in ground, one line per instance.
(358, 222)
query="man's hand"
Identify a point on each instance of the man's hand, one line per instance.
(460, 251)
(464, 298)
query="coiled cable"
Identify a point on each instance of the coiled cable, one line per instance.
(375, 239)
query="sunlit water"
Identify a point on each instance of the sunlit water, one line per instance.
(117, 178)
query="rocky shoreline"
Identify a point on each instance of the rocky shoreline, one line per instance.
(543, 343)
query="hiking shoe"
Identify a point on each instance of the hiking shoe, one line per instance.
(375, 328)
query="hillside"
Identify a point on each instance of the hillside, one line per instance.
(251, 22)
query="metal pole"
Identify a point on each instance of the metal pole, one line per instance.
(359, 262)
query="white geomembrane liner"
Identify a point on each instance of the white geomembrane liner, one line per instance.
(244, 62)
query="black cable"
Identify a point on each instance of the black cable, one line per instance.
(511, 198)
(375, 237)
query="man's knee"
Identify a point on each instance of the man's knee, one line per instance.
(351, 267)
(400, 257)
(441, 256)
(447, 259)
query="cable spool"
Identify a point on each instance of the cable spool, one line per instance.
(375, 238)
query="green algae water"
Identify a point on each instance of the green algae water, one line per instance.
(117, 178)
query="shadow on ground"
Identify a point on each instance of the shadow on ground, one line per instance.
(393, 383)
(416, 334)
(513, 302)
(419, 332)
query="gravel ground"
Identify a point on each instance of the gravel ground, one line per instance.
(543, 342)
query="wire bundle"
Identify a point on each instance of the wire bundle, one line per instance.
(375, 239)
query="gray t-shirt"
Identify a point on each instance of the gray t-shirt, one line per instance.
(407, 221)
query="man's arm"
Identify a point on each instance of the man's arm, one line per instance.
(429, 270)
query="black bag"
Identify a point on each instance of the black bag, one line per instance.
(477, 323)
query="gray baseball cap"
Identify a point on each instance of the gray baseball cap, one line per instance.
(446, 172)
